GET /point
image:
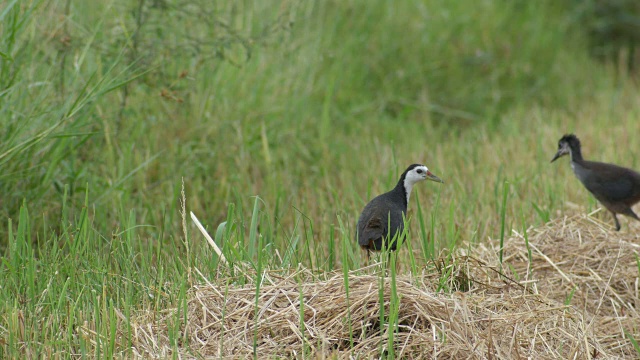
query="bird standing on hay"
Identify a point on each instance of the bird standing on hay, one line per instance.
(615, 187)
(382, 219)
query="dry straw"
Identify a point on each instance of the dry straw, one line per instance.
(575, 299)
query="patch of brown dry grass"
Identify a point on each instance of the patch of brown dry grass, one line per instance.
(497, 318)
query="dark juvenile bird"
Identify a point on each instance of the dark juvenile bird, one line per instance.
(383, 217)
(616, 188)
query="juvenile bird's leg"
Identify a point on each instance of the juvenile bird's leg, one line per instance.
(615, 218)
(631, 214)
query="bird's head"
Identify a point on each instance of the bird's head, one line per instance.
(565, 145)
(417, 172)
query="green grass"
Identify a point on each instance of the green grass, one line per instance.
(283, 119)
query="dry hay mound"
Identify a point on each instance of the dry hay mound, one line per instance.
(581, 261)
(491, 316)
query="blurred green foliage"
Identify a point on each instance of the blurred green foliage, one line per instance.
(613, 27)
(241, 96)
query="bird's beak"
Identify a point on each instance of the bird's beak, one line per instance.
(556, 156)
(432, 177)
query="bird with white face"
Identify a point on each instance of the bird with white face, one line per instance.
(382, 219)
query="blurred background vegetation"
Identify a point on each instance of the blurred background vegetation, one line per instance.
(313, 106)
(309, 105)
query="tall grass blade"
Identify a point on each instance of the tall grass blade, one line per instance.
(503, 215)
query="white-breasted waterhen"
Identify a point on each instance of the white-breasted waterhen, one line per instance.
(382, 219)
(617, 188)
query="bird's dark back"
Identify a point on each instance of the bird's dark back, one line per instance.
(611, 183)
(388, 212)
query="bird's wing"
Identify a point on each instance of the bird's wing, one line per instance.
(373, 229)
(616, 190)
(615, 184)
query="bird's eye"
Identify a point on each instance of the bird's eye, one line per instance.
(419, 171)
